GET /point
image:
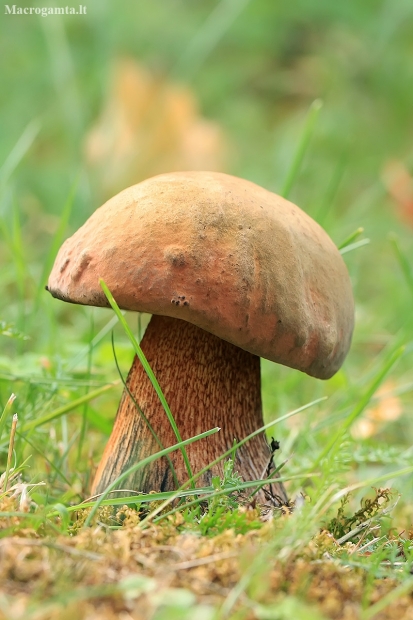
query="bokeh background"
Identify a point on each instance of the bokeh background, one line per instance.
(90, 104)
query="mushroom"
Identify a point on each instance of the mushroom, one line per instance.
(230, 272)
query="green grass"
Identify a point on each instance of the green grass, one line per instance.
(259, 70)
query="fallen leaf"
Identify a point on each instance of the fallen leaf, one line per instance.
(150, 125)
(399, 184)
(386, 408)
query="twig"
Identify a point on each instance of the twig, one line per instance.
(225, 555)
(365, 524)
(369, 543)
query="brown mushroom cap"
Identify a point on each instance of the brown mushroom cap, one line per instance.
(221, 253)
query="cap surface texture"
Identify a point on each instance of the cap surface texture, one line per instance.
(223, 254)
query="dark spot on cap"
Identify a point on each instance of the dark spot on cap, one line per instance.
(177, 260)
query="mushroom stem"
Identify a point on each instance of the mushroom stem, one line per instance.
(207, 382)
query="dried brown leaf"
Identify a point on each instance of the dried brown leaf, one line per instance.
(150, 125)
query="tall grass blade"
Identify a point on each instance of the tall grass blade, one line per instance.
(306, 136)
(64, 74)
(403, 262)
(44, 456)
(333, 445)
(3, 417)
(11, 450)
(20, 149)
(206, 494)
(207, 38)
(371, 482)
(57, 239)
(142, 415)
(228, 453)
(332, 190)
(20, 261)
(141, 356)
(57, 413)
(85, 406)
(89, 347)
(203, 493)
(143, 463)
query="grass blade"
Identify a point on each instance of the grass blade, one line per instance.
(354, 246)
(85, 406)
(20, 260)
(229, 453)
(44, 456)
(205, 492)
(332, 191)
(141, 356)
(306, 135)
(142, 415)
(142, 464)
(57, 239)
(243, 486)
(351, 238)
(393, 596)
(57, 413)
(371, 482)
(84, 352)
(20, 149)
(403, 262)
(11, 449)
(332, 446)
(5, 412)
(208, 36)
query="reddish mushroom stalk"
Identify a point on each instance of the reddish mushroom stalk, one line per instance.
(207, 382)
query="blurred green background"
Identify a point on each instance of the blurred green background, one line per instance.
(92, 103)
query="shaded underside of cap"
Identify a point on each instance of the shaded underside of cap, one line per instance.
(223, 254)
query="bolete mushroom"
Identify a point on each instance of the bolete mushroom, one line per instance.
(231, 273)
